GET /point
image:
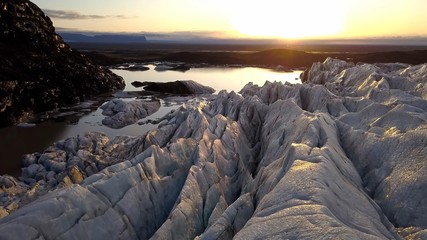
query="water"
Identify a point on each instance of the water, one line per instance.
(16, 141)
(230, 79)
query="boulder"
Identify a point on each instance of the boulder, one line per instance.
(32, 170)
(3, 212)
(75, 175)
(7, 182)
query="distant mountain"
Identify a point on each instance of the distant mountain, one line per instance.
(102, 38)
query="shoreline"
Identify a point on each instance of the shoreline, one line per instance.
(65, 120)
(58, 114)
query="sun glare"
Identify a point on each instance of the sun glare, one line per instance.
(288, 19)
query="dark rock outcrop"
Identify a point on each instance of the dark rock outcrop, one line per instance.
(38, 71)
(172, 67)
(178, 87)
(138, 68)
(137, 84)
(180, 68)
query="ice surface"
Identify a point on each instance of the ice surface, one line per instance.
(341, 156)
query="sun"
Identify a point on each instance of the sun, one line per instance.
(291, 19)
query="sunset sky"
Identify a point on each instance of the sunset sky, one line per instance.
(298, 19)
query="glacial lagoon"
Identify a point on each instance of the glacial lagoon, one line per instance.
(16, 141)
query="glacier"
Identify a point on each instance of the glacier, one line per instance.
(341, 156)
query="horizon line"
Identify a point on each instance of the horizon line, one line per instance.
(210, 37)
(224, 35)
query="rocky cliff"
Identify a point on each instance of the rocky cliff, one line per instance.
(38, 71)
(339, 157)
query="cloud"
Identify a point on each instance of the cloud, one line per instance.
(64, 29)
(73, 15)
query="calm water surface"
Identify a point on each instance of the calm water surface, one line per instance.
(230, 79)
(16, 141)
